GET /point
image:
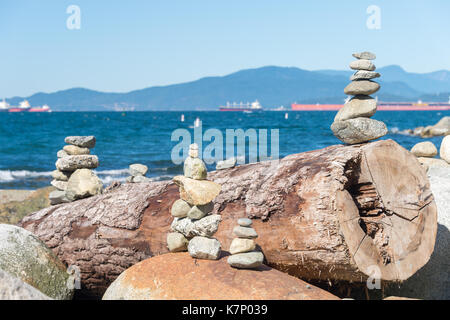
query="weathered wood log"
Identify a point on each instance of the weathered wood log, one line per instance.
(341, 213)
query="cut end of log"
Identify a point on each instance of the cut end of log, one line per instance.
(387, 213)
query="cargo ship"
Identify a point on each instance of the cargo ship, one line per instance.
(246, 107)
(24, 106)
(383, 106)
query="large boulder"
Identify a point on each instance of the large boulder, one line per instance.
(441, 128)
(26, 257)
(176, 276)
(445, 149)
(12, 288)
(83, 183)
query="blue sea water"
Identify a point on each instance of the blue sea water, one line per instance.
(29, 141)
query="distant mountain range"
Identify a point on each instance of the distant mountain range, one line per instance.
(272, 86)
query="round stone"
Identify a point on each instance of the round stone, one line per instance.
(83, 183)
(193, 150)
(362, 87)
(204, 248)
(138, 169)
(248, 260)
(176, 242)
(359, 106)
(445, 149)
(424, 149)
(245, 222)
(180, 208)
(358, 130)
(195, 168)
(239, 245)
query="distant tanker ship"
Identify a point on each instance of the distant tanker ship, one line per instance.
(386, 106)
(246, 107)
(24, 106)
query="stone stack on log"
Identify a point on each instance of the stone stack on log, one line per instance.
(352, 124)
(73, 176)
(137, 173)
(242, 248)
(193, 225)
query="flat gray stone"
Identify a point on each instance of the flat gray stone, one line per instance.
(176, 242)
(358, 130)
(57, 197)
(180, 209)
(198, 212)
(245, 222)
(239, 245)
(365, 55)
(362, 87)
(248, 260)
(364, 75)
(225, 164)
(81, 141)
(205, 227)
(72, 163)
(138, 169)
(204, 248)
(362, 64)
(245, 232)
(358, 106)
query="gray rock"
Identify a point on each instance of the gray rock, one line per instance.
(60, 185)
(365, 55)
(12, 288)
(27, 258)
(245, 232)
(195, 168)
(72, 163)
(180, 208)
(364, 75)
(198, 212)
(239, 245)
(62, 154)
(129, 179)
(424, 149)
(358, 130)
(205, 227)
(138, 169)
(75, 151)
(245, 222)
(361, 87)
(193, 150)
(225, 164)
(140, 179)
(57, 197)
(83, 183)
(445, 149)
(176, 242)
(61, 175)
(204, 248)
(359, 106)
(81, 141)
(362, 64)
(248, 260)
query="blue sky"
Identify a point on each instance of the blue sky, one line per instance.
(128, 45)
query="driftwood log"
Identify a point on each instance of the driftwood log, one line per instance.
(339, 213)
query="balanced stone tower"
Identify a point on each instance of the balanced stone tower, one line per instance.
(137, 173)
(352, 123)
(194, 225)
(73, 176)
(242, 248)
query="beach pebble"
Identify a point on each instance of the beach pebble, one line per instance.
(180, 208)
(198, 212)
(365, 55)
(204, 248)
(358, 130)
(248, 260)
(197, 192)
(239, 245)
(60, 185)
(75, 151)
(424, 149)
(361, 87)
(57, 197)
(195, 168)
(83, 183)
(176, 242)
(225, 164)
(81, 141)
(245, 222)
(245, 232)
(138, 169)
(205, 227)
(364, 75)
(62, 154)
(445, 149)
(362, 64)
(359, 106)
(72, 163)
(61, 175)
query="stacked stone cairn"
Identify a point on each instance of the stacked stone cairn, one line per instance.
(137, 173)
(352, 124)
(73, 176)
(242, 248)
(193, 226)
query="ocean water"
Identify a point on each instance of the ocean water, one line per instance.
(29, 141)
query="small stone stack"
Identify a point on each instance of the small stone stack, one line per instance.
(74, 178)
(194, 225)
(137, 173)
(242, 248)
(352, 123)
